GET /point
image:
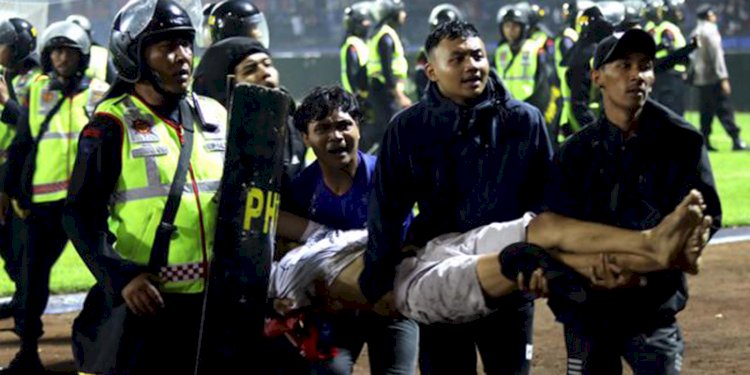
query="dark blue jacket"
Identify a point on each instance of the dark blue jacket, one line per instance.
(464, 167)
(633, 184)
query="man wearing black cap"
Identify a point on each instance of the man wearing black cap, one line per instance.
(628, 169)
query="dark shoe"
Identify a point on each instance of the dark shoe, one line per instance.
(711, 148)
(6, 310)
(739, 145)
(26, 362)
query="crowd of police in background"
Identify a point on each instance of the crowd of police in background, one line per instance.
(549, 70)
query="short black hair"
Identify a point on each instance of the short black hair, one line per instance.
(321, 102)
(703, 11)
(449, 30)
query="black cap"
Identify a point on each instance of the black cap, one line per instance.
(619, 45)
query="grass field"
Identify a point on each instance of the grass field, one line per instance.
(731, 169)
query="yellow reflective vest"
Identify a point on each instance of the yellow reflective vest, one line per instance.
(566, 115)
(399, 65)
(518, 71)
(98, 63)
(679, 42)
(58, 145)
(150, 154)
(362, 53)
(21, 84)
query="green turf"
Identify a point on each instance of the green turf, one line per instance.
(731, 169)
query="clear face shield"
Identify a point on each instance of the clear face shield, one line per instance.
(257, 28)
(138, 13)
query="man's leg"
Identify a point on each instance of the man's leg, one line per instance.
(10, 253)
(44, 242)
(504, 339)
(592, 351)
(447, 349)
(392, 344)
(707, 107)
(658, 352)
(725, 112)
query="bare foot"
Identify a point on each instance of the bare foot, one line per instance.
(669, 237)
(689, 259)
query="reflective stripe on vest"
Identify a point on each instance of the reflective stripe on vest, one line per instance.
(566, 114)
(679, 42)
(518, 71)
(362, 53)
(98, 63)
(150, 152)
(21, 84)
(399, 65)
(58, 146)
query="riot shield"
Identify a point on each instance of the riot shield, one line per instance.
(249, 199)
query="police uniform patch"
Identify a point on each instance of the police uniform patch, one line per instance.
(140, 126)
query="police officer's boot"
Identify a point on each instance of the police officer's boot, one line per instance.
(738, 145)
(26, 362)
(7, 309)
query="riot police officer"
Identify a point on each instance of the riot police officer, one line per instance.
(520, 61)
(387, 69)
(238, 18)
(353, 52)
(40, 161)
(99, 63)
(151, 148)
(21, 69)
(670, 86)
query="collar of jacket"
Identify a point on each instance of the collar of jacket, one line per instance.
(74, 86)
(493, 99)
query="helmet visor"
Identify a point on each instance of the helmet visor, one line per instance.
(7, 32)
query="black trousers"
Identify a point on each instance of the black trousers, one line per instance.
(669, 90)
(596, 348)
(383, 106)
(713, 102)
(166, 343)
(10, 247)
(503, 338)
(43, 240)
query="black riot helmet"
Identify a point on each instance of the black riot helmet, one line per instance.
(511, 13)
(387, 11)
(205, 32)
(238, 18)
(444, 13)
(671, 10)
(65, 34)
(358, 19)
(594, 25)
(21, 35)
(139, 22)
(634, 11)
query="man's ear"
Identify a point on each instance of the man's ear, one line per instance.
(429, 70)
(596, 78)
(306, 138)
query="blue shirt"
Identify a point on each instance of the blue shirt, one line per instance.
(312, 199)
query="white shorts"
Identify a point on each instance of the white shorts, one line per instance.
(440, 283)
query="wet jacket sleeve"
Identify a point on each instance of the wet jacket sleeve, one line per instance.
(391, 200)
(680, 56)
(386, 47)
(97, 168)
